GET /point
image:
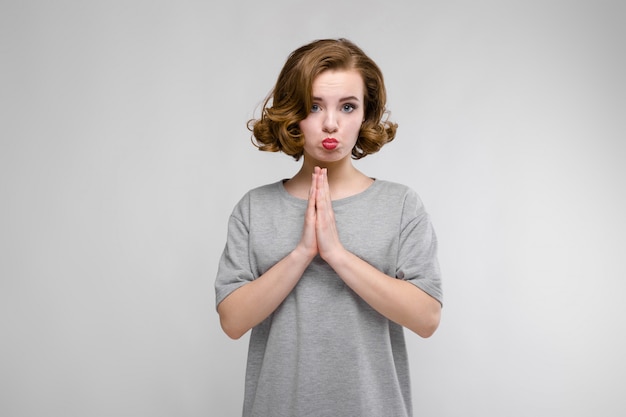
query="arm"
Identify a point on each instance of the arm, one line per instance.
(396, 299)
(253, 302)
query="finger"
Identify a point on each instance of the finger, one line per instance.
(310, 210)
(326, 187)
(324, 195)
(321, 191)
(325, 215)
(309, 239)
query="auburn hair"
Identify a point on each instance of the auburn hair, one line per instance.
(290, 101)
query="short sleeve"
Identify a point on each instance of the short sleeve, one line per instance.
(234, 268)
(417, 259)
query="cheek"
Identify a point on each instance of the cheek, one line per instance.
(356, 127)
(305, 125)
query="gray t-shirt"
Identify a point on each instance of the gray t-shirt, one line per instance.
(324, 351)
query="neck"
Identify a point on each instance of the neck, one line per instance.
(338, 171)
(343, 179)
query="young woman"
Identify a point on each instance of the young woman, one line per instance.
(329, 266)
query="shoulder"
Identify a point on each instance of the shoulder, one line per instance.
(260, 194)
(263, 191)
(401, 199)
(398, 192)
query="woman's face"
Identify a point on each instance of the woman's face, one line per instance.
(332, 126)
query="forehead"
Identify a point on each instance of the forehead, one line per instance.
(331, 83)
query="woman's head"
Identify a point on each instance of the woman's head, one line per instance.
(290, 101)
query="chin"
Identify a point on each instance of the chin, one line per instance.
(327, 157)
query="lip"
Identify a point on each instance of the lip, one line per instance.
(330, 143)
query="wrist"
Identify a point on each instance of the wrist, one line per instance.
(336, 257)
(302, 255)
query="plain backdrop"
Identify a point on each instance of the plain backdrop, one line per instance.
(124, 148)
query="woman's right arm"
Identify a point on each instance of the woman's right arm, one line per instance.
(253, 302)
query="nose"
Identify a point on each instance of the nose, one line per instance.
(330, 122)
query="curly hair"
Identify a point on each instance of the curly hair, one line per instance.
(277, 129)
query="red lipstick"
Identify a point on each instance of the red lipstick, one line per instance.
(330, 143)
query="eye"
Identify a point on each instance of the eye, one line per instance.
(315, 108)
(348, 108)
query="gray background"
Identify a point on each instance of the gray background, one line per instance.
(124, 149)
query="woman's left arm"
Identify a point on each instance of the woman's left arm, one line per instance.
(398, 300)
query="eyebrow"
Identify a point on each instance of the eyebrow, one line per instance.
(341, 100)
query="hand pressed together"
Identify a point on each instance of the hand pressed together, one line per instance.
(319, 235)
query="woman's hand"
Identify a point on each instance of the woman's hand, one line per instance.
(319, 234)
(308, 241)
